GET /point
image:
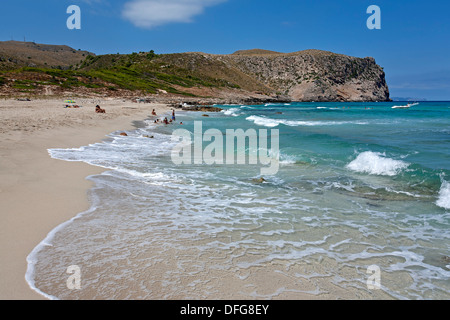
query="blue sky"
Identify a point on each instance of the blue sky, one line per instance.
(412, 45)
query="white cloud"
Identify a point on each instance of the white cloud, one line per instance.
(152, 13)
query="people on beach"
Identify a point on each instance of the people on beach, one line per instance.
(153, 112)
(173, 114)
(165, 121)
(99, 110)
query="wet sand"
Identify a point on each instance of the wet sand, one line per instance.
(37, 193)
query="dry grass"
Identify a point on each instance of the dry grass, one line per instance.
(41, 55)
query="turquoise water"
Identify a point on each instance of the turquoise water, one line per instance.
(358, 185)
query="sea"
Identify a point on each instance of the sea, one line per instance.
(359, 208)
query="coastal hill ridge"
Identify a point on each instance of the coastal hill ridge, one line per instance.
(308, 75)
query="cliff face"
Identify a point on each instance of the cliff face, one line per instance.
(310, 75)
(315, 75)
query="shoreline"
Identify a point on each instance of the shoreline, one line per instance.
(40, 194)
(37, 192)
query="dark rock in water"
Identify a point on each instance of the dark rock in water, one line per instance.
(437, 259)
(205, 115)
(147, 136)
(201, 108)
(257, 101)
(373, 205)
(260, 180)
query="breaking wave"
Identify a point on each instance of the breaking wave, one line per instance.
(271, 123)
(444, 196)
(377, 164)
(231, 112)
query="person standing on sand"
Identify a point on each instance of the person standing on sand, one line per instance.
(173, 114)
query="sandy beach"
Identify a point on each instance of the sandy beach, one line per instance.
(37, 193)
(190, 255)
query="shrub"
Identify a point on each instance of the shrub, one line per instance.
(151, 55)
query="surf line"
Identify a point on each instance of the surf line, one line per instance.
(189, 149)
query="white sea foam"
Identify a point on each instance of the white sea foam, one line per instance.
(377, 163)
(286, 159)
(231, 112)
(269, 122)
(444, 196)
(262, 121)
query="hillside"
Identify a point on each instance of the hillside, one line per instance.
(245, 75)
(255, 52)
(14, 54)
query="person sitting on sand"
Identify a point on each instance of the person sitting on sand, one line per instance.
(153, 112)
(99, 110)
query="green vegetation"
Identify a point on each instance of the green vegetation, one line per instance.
(144, 71)
(24, 84)
(151, 55)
